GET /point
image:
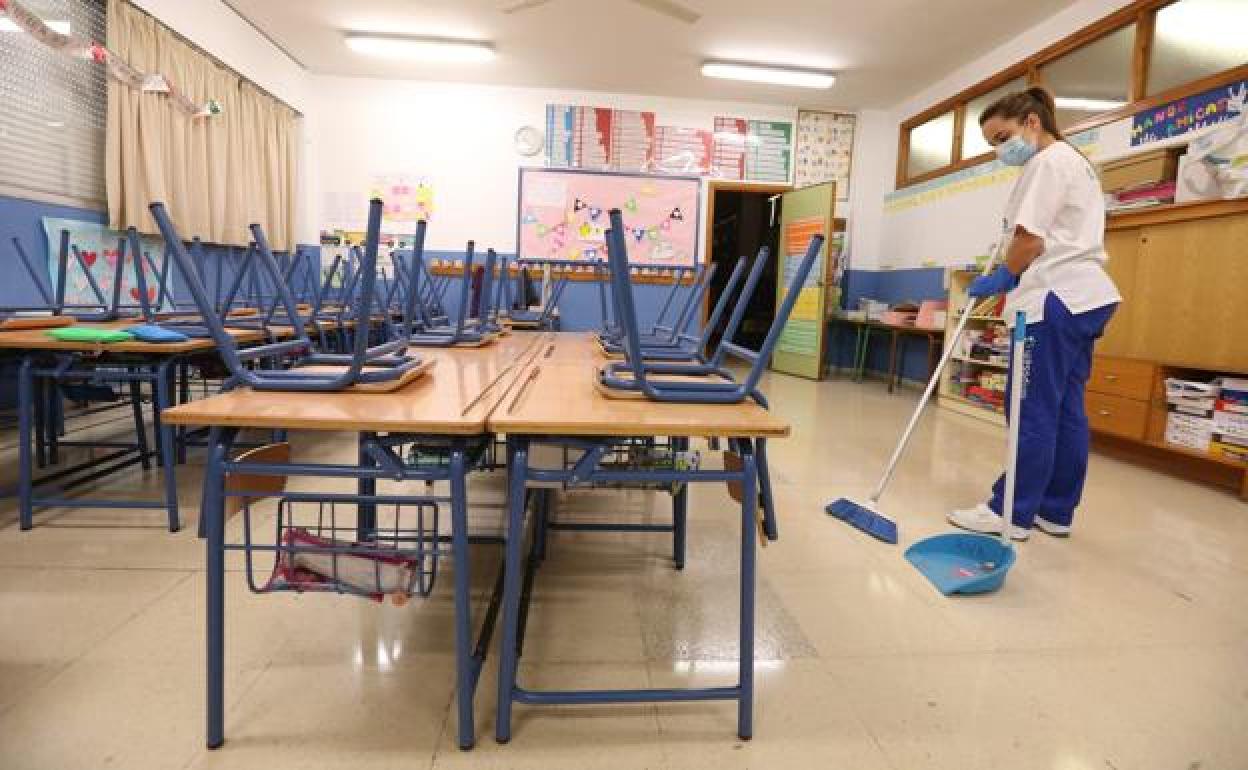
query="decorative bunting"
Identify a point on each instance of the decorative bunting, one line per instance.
(639, 233)
(677, 214)
(578, 205)
(631, 205)
(594, 213)
(118, 69)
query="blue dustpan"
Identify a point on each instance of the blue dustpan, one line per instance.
(962, 563)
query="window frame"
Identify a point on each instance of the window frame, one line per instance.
(1142, 13)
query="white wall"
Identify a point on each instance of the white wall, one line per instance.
(460, 138)
(871, 176)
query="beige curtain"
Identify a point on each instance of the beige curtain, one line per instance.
(216, 175)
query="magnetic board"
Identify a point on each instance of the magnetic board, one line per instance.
(563, 215)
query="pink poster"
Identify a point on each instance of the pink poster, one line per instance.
(563, 216)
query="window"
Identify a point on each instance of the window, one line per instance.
(931, 145)
(1143, 55)
(972, 138)
(1092, 79)
(1193, 39)
(52, 123)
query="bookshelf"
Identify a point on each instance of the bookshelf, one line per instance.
(963, 368)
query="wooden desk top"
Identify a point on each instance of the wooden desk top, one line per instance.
(558, 397)
(454, 398)
(38, 339)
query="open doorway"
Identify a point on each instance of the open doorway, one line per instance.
(741, 218)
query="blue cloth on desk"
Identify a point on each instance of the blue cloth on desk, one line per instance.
(155, 333)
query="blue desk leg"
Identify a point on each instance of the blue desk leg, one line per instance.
(770, 525)
(366, 519)
(164, 400)
(745, 704)
(517, 469)
(212, 510)
(25, 427)
(184, 395)
(465, 664)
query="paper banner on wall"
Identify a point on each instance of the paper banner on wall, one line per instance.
(823, 149)
(754, 150)
(100, 249)
(1190, 113)
(408, 198)
(801, 333)
(563, 216)
(975, 178)
(599, 138)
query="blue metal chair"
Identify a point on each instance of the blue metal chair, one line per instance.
(463, 331)
(662, 337)
(541, 319)
(717, 390)
(364, 365)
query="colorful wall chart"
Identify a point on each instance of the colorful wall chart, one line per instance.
(606, 139)
(824, 147)
(599, 138)
(754, 150)
(563, 215)
(99, 248)
(801, 333)
(408, 198)
(1188, 114)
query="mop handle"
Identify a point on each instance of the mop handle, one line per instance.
(1017, 384)
(967, 312)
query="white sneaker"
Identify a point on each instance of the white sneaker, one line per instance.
(981, 518)
(1052, 528)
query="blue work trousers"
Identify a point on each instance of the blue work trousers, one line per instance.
(1053, 426)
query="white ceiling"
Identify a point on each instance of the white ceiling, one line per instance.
(883, 50)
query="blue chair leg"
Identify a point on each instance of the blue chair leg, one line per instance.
(25, 427)
(680, 513)
(465, 663)
(745, 705)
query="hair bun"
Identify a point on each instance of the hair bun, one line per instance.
(1044, 96)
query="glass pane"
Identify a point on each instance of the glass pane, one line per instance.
(1093, 79)
(931, 145)
(972, 138)
(1195, 38)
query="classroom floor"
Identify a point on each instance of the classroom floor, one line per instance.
(1122, 648)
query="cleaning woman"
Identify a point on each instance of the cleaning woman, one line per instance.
(1055, 272)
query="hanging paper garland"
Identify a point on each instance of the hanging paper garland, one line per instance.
(118, 69)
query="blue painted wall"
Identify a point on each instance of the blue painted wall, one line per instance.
(891, 286)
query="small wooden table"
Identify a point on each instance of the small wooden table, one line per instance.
(898, 333)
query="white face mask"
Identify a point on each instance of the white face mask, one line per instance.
(1016, 150)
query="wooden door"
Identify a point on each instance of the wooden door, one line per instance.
(804, 213)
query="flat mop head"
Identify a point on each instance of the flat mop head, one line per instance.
(962, 563)
(860, 516)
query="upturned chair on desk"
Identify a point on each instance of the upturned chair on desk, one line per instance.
(310, 371)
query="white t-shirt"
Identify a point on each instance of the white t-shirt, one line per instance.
(1059, 199)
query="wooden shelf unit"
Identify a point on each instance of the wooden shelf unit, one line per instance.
(1182, 270)
(950, 396)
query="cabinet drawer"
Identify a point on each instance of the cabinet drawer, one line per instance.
(1124, 377)
(1117, 415)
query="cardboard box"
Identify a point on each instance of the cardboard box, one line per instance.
(1142, 168)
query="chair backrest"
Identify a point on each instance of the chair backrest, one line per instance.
(716, 392)
(725, 294)
(552, 302)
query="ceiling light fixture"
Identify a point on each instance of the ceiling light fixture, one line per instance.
(431, 49)
(8, 25)
(764, 73)
(1087, 105)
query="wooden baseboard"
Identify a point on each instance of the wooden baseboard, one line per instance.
(1180, 464)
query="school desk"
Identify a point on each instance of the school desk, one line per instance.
(555, 402)
(45, 362)
(450, 403)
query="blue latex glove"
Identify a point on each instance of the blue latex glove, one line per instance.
(999, 281)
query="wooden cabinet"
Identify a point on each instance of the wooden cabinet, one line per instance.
(1183, 275)
(1120, 416)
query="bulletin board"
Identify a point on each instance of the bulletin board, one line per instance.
(563, 215)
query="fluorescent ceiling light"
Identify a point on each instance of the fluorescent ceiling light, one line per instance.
(8, 25)
(1087, 105)
(762, 73)
(433, 49)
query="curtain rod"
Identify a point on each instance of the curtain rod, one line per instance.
(217, 61)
